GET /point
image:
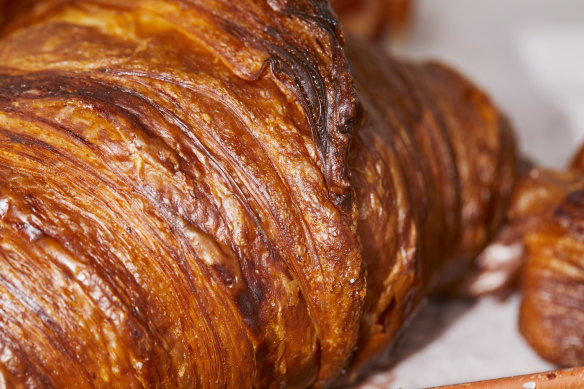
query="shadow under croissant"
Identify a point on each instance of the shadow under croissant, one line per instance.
(433, 319)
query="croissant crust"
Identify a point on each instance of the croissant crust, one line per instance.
(185, 200)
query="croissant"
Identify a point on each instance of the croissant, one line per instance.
(206, 193)
(547, 219)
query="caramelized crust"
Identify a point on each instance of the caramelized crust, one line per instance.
(433, 168)
(180, 204)
(374, 19)
(175, 202)
(548, 213)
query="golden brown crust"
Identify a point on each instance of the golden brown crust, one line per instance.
(552, 313)
(577, 163)
(433, 168)
(178, 206)
(547, 212)
(374, 19)
(175, 168)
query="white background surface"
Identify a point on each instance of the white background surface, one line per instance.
(529, 56)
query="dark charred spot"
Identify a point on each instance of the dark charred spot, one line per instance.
(571, 213)
(385, 316)
(249, 303)
(225, 274)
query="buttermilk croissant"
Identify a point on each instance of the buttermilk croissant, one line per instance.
(217, 193)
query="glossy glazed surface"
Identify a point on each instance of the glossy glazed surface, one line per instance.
(181, 206)
(433, 168)
(547, 212)
(374, 19)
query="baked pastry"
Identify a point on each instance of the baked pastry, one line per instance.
(546, 216)
(209, 193)
(374, 19)
(433, 166)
